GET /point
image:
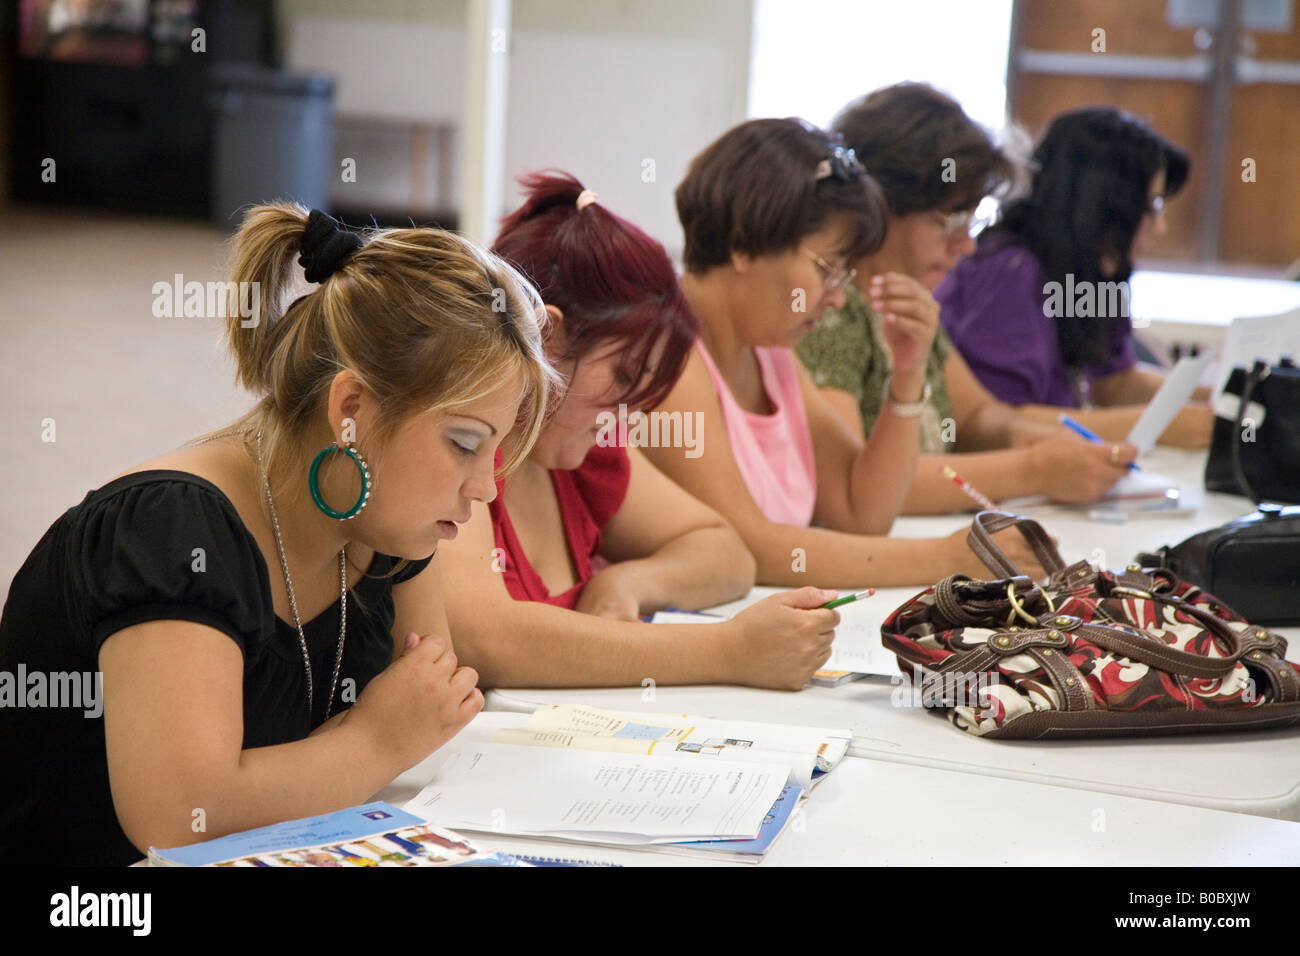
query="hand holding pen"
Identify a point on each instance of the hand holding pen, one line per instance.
(1096, 439)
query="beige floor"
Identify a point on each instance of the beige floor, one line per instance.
(79, 344)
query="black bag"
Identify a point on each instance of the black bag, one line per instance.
(1251, 564)
(1259, 458)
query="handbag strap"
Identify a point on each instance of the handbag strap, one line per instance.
(950, 604)
(988, 523)
(1140, 583)
(1144, 649)
(1048, 647)
(1207, 619)
(1263, 648)
(1258, 372)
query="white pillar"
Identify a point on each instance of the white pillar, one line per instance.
(483, 155)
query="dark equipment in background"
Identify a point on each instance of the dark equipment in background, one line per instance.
(273, 138)
(119, 95)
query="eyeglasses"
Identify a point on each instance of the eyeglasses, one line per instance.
(964, 223)
(956, 224)
(832, 278)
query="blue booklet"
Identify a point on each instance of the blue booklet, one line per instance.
(374, 834)
(561, 861)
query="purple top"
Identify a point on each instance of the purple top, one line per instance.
(992, 306)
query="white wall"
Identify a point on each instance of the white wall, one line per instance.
(813, 56)
(604, 96)
(392, 73)
(597, 87)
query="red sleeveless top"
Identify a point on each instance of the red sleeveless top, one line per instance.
(589, 496)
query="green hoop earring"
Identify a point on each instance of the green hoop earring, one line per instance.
(313, 482)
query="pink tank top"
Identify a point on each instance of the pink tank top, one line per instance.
(773, 452)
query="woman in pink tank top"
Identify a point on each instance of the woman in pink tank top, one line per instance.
(772, 211)
(774, 452)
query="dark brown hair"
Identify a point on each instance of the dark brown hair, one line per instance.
(755, 190)
(905, 133)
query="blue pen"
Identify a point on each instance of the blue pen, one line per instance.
(1093, 437)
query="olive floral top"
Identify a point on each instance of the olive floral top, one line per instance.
(845, 351)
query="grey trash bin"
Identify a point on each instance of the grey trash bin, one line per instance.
(273, 138)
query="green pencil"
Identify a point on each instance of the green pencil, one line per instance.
(848, 598)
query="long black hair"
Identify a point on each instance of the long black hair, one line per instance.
(1092, 174)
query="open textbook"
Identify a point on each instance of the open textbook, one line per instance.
(600, 797)
(856, 651)
(809, 751)
(374, 834)
(558, 779)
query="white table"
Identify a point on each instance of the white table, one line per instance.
(869, 812)
(1255, 773)
(1114, 545)
(1185, 308)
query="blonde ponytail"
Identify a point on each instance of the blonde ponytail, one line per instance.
(423, 318)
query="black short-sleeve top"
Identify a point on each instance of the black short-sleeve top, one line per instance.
(155, 545)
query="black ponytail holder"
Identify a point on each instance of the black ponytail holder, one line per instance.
(325, 246)
(842, 163)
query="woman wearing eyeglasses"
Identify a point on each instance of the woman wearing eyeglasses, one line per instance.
(934, 165)
(1040, 310)
(772, 212)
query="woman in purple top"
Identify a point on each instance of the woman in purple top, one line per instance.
(1040, 311)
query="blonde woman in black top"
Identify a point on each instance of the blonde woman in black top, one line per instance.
(264, 605)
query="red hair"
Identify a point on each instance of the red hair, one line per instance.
(612, 282)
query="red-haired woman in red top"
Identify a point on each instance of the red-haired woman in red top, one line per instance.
(546, 584)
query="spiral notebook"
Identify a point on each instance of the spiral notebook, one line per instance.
(373, 834)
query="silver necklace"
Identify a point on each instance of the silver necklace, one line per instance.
(293, 603)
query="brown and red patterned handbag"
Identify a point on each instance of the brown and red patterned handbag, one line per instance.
(1090, 653)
